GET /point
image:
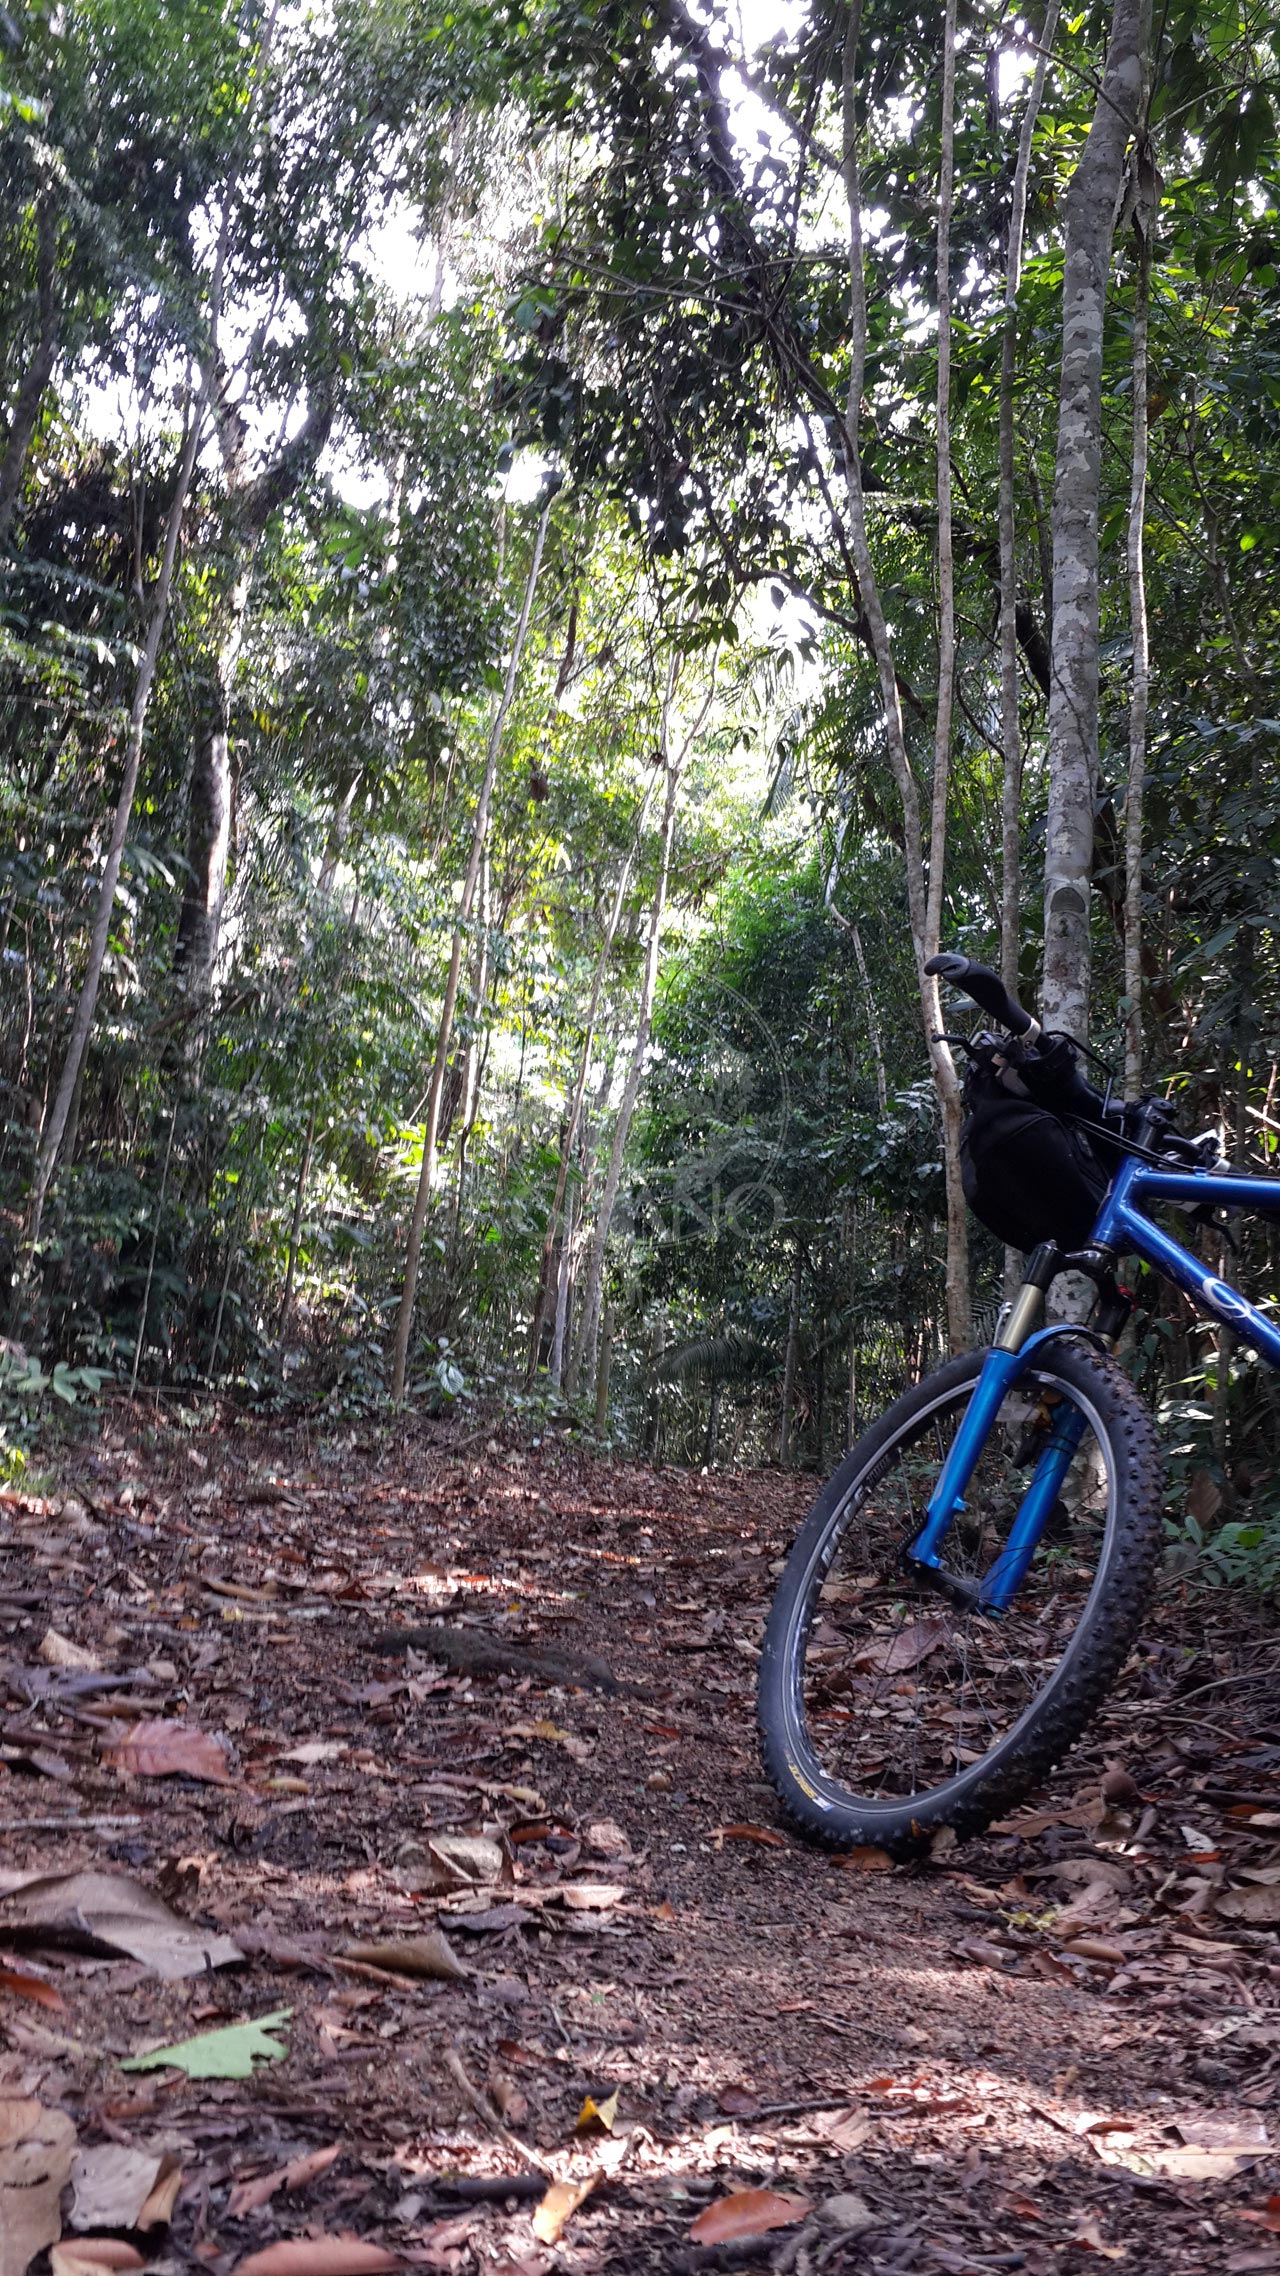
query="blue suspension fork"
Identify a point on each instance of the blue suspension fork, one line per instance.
(1000, 1371)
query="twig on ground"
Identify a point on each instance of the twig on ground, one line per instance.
(484, 2110)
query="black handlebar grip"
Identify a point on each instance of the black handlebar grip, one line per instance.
(986, 988)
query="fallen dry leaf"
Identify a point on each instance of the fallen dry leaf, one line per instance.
(748, 2212)
(865, 1860)
(412, 1956)
(30, 1987)
(59, 1651)
(1259, 1903)
(320, 2256)
(590, 1896)
(553, 2211)
(114, 2187)
(161, 1747)
(763, 1835)
(109, 1913)
(248, 2196)
(608, 1840)
(1265, 2216)
(93, 2256)
(36, 2149)
(595, 2114)
(842, 2129)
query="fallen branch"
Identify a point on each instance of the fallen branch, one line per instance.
(471, 1653)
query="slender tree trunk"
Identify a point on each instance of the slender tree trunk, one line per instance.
(295, 1225)
(574, 1118)
(790, 1361)
(602, 1373)
(426, 1180)
(82, 1022)
(140, 1338)
(39, 371)
(590, 1314)
(919, 894)
(1091, 207)
(959, 1312)
(1144, 221)
(564, 1283)
(1010, 728)
(250, 507)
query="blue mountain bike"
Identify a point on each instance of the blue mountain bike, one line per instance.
(968, 1584)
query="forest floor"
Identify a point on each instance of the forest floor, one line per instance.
(1046, 2051)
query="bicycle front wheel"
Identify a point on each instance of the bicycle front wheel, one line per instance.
(888, 1711)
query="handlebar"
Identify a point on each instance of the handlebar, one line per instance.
(987, 990)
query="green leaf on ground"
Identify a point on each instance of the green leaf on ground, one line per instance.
(229, 2053)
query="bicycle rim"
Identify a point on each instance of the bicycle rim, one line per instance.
(903, 1695)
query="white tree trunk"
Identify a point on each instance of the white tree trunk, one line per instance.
(590, 1317)
(1091, 206)
(1144, 220)
(924, 899)
(479, 830)
(1010, 729)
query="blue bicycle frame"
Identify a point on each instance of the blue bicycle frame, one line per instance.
(1122, 1229)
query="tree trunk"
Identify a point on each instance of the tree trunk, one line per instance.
(590, 1316)
(564, 1283)
(1144, 222)
(250, 506)
(574, 1117)
(1010, 728)
(426, 1179)
(790, 1361)
(82, 1021)
(1091, 206)
(39, 371)
(295, 1225)
(603, 1367)
(924, 901)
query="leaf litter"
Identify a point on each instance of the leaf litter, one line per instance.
(767, 2023)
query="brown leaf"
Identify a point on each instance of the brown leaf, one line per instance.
(59, 1651)
(1204, 1497)
(120, 2188)
(30, 1987)
(412, 1956)
(842, 2129)
(748, 2212)
(1259, 1903)
(764, 1836)
(93, 2256)
(590, 1896)
(110, 1913)
(247, 2196)
(164, 1748)
(320, 2256)
(1266, 2216)
(554, 2210)
(904, 1649)
(36, 2149)
(1032, 1822)
(738, 2102)
(865, 1859)
(608, 1840)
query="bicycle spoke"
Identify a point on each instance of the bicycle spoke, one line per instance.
(903, 1688)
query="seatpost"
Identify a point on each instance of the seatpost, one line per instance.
(1023, 1314)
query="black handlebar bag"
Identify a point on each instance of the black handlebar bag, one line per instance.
(1027, 1175)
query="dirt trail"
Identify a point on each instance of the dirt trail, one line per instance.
(1047, 2051)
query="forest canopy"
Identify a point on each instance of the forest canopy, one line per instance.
(549, 557)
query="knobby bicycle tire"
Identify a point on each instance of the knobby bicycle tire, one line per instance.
(1127, 1532)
